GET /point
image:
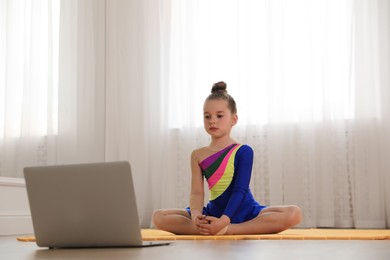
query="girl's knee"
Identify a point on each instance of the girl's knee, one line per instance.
(157, 217)
(294, 215)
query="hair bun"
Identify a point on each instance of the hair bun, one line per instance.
(219, 86)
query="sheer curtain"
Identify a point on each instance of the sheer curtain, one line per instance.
(372, 128)
(311, 82)
(28, 82)
(82, 89)
(136, 128)
(295, 68)
(52, 83)
(310, 79)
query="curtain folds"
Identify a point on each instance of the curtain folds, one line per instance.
(135, 121)
(372, 60)
(310, 79)
(311, 84)
(81, 82)
(27, 83)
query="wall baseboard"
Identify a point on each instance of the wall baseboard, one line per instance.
(15, 225)
(15, 216)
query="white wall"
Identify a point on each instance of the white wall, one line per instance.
(15, 216)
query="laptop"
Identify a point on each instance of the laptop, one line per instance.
(84, 205)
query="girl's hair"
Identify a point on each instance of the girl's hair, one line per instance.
(218, 91)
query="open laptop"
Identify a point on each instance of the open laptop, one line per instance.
(84, 205)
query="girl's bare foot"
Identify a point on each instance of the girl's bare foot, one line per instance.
(223, 231)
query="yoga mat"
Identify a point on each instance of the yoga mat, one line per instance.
(290, 234)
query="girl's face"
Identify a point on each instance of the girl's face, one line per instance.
(217, 118)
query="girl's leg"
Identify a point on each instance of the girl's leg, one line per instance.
(177, 221)
(270, 220)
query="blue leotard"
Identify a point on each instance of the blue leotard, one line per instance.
(228, 173)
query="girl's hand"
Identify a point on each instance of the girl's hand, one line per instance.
(213, 225)
(199, 220)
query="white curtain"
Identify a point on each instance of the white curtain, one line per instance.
(310, 78)
(372, 128)
(311, 82)
(52, 83)
(81, 82)
(135, 114)
(28, 88)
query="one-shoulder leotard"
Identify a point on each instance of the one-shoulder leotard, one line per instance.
(228, 173)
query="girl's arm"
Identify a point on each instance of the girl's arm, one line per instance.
(197, 188)
(243, 172)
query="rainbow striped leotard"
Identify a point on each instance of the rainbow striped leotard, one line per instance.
(228, 173)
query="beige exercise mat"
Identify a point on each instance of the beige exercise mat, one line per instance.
(290, 234)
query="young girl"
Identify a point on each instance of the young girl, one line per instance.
(227, 167)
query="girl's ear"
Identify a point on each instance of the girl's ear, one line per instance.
(234, 119)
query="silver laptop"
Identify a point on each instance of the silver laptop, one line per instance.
(84, 205)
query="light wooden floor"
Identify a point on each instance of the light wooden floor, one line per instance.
(11, 249)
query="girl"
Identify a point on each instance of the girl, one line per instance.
(227, 167)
